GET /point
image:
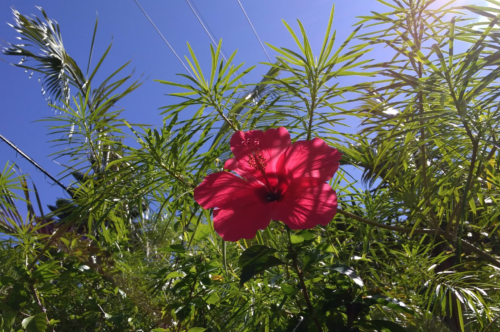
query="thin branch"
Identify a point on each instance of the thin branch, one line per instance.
(470, 247)
(40, 304)
(423, 150)
(463, 200)
(389, 227)
(459, 204)
(491, 324)
(221, 113)
(25, 156)
(102, 310)
(450, 237)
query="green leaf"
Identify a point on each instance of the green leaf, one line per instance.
(296, 239)
(175, 274)
(173, 248)
(289, 289)
(326, 247)
(251, 270)
(346, 270)
(8, 319)
(462, 110)
(307, 235)
(213, 298)
(389, 303)
(197, 329)
(202, 232)
(472, 204)
(37, 323)
(255, 260)
(255, 255)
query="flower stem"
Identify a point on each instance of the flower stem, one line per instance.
(302, 283)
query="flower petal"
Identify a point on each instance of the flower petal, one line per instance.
(309, 159)
(306, 203)
(243, 221)
(223, 189)
(254, 148)
(232, 165)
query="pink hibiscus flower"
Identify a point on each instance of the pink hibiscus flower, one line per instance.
(277, 181)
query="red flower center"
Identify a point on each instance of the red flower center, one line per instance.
(271, 197)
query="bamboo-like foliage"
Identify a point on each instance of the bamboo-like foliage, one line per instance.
(414, 246)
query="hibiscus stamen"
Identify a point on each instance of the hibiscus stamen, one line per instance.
(257, 161)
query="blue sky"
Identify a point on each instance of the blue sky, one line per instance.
(135, 39)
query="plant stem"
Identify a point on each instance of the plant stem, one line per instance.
(310, 121)
(221, 113)
(25, 156)
(40, 304)
(389, 227)
(302, 283)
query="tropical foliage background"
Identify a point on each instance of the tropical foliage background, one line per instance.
(415, 245)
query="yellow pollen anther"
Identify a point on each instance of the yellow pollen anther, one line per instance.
(257, 161)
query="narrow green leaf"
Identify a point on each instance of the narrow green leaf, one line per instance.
(197, 329)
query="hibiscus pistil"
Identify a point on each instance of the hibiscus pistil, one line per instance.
(258, 162)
